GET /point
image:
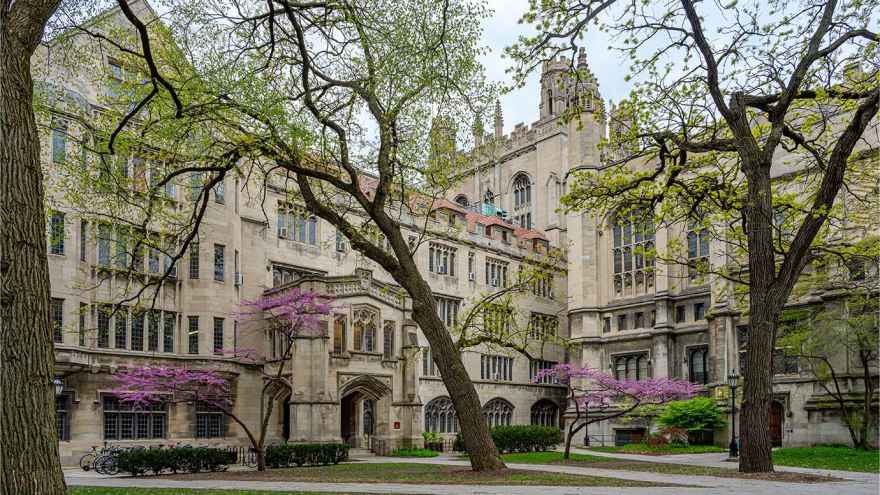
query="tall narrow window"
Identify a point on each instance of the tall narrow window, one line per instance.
(137, 330)
(153, 260)
(698, 360)
(83, 323)
(219, 262)
(388, 339)
(168, 332)
(522, 200)
(633, 254)
(194, 259)
(62, 422)
(195, 186)
(428, 368)
(153, 330)
(56, 311)
(339, 334)
(364, 327)
(220, 193)
(340, 242)
(698, 250)
(56, 233)
(104, 238)
(193, 334)
(120, 328)
(104, 327)
(83, 239)
(59, 139)
(219, 323)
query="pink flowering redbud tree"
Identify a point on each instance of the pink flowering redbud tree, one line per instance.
(289, 315)
(592, 392)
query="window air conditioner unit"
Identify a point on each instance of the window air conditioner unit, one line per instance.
(497, 376)
(441, 270)
(239, 279)
(282, 232)
(494, 282)
(472, 276)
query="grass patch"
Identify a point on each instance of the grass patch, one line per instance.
(838, 458)
(100, 490)
(417, 474)
(593, 461)
(645, 449)
(413, 453)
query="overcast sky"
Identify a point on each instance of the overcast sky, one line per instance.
(521, 105)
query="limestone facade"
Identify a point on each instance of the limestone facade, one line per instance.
(383, 392)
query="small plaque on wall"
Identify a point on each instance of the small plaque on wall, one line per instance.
(397, 425)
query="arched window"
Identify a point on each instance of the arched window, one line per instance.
(489, 197)
(550, 102)
(633, 254)
(440, 416)
(364, 329)
(498, 412)
(698, 250)
(522, 191)
(522, 200)
(631, 367)
(462, 200)
(544, 413)
(698, 369)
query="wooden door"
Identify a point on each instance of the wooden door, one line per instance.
(776, 418)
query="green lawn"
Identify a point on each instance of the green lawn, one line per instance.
(839, 458)
(415, 473)
(641, 448)
(94, 490)
(593, 461)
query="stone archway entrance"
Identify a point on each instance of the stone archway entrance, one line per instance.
(365, 408)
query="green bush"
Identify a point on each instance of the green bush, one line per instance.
(520, 438)
(697, 415)
(180, 459)
(305, 454)
(413, 453)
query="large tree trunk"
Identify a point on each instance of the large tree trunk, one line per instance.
(475, 431)
(755, 445)
(28, 437)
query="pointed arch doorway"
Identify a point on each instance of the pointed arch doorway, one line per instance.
(365, 408)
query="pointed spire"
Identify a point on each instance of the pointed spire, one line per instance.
(478, 130)
(499, 120)
(582, 57)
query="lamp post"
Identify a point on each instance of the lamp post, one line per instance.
(59, 386)
(733, 380)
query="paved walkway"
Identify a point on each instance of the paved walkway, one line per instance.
(854, 484)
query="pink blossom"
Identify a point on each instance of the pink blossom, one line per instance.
(601, 390)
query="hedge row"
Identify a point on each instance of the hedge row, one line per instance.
(179, 459)
(520, 438)
(299, 454)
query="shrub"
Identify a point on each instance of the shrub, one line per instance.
(520, 438)
(179, 459)
(696, 415)
(413, 453)
(668, 436)
(305, 454)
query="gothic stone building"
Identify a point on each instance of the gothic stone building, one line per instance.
(370, 380)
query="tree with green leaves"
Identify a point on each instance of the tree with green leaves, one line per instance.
(747, 122)
(328, 104)
(699, 415)
(836, 340)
